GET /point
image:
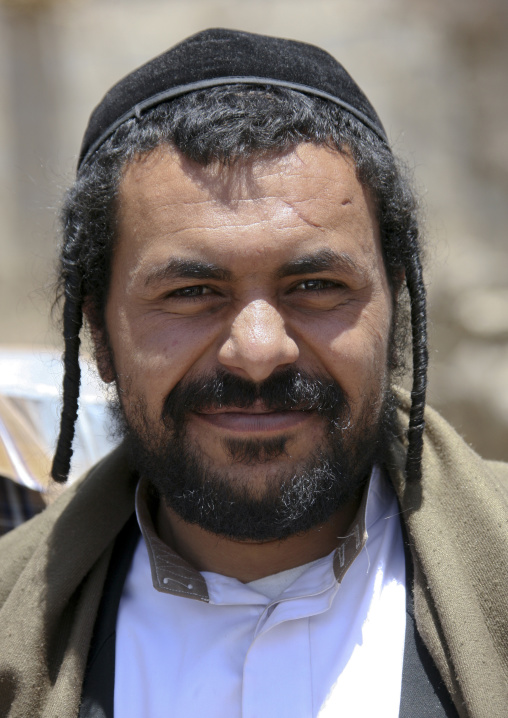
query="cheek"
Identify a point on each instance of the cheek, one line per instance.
(355, 355)
(154, 351)
(364, 350)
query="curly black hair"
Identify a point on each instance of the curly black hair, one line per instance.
(225, 124)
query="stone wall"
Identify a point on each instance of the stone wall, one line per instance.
(436, 72)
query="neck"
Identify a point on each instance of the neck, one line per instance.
(249, 560)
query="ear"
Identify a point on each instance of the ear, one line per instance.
(102, 351)
(396, 352)
(400, 278)
(398, 281)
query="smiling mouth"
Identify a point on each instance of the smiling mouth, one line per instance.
(255, 419)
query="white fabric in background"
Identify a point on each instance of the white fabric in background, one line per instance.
(31, 380)
(318, 649)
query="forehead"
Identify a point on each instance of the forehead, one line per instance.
(286, 204)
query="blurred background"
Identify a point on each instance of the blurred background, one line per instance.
(437, 72)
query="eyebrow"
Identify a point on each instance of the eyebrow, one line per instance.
(324, 259)
(186, 269)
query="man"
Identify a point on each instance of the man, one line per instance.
(243, 247)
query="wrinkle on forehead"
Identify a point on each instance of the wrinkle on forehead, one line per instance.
(246, 178)
(312, 186)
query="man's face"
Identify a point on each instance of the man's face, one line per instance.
(247, 278)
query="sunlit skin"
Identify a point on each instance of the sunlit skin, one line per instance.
(250, 268)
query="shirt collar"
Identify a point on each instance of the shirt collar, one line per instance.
(172, 574)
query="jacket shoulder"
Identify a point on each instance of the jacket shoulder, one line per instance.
(500, 470)
(18, 546)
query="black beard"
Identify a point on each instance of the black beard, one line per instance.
(296, 498)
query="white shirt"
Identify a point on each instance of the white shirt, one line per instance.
(323, 647)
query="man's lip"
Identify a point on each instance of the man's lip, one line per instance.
(256, 408)
(239, 410)
(254, 419)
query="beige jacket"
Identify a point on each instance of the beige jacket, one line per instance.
(52, 570)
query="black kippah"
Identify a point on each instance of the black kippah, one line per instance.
(220, 57)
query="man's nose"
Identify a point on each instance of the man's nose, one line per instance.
(258, 343)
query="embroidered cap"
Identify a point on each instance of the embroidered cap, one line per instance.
(222, 57)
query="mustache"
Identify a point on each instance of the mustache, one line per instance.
(283, 391)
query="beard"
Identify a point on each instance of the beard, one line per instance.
(296, 495)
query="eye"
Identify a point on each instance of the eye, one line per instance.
(316, 285)
(194, 292)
